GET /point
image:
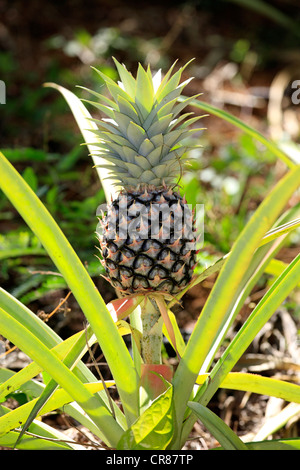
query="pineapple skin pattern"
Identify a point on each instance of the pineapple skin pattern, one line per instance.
(147, 233)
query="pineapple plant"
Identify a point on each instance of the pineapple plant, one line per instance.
(151, 415)
(147, 232)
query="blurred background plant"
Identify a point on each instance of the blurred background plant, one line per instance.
(246, 58)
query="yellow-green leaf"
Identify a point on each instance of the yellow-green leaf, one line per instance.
(153, 430)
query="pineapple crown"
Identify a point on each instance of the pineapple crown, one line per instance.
(141, 138)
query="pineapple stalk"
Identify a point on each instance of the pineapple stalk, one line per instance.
(154, 375)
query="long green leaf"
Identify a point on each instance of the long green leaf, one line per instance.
(227, 361)
(29, 386)
(269, 11)
(48, 360)
(23, 314)
(179, 341)
(259, 263)
(255, 270)
(273, 423)
(16, 252)
(33, 323)
(76, 276)
(276, 267)
(32, 370)
(224, 435)
(229, 279)
(33, 443)
(33, 388)
(41, 429)
(257, 267)
(282, 229)
(276, 232)
(260, 315)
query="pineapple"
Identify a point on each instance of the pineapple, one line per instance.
(147, 233)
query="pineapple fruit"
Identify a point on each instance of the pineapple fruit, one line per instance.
(147, 233)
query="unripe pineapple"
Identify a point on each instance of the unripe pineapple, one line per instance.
(147, 236)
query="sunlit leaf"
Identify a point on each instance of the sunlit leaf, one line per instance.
(87, 126)
(272, 146)
(78, 280)
(121, 308)
(154, 428)
(18, 416)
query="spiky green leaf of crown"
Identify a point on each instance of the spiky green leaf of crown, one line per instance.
(141, 139)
